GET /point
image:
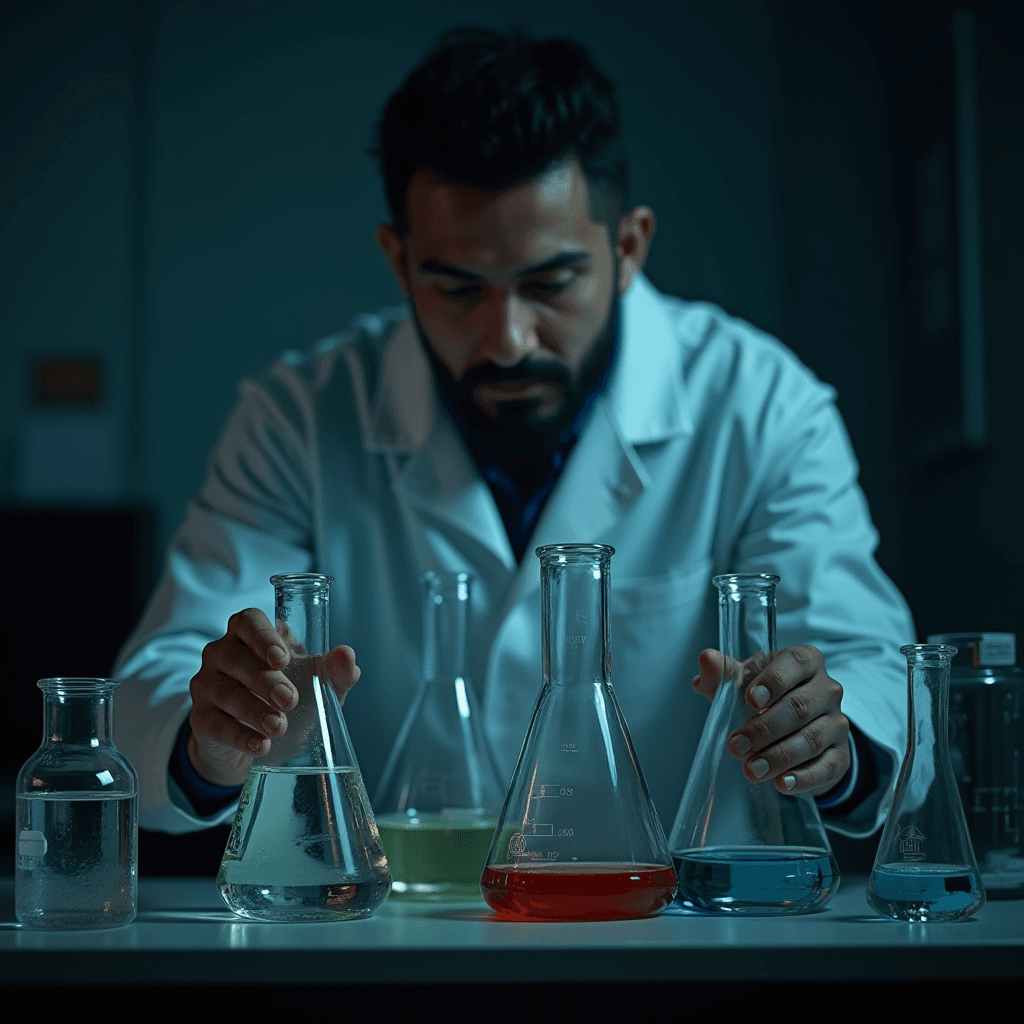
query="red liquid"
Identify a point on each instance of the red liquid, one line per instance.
(577, 892)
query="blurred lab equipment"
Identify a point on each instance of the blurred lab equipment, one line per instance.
(304, 844)
(439, 797)
(578, 837)
(925, 869)
(743, 847)
(77, 815)
(986, 747)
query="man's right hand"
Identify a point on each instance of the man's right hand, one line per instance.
(241, 696)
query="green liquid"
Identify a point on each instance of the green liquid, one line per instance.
(436, 857)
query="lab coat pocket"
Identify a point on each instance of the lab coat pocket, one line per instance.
(659, 626)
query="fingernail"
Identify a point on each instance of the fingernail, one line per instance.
(760, 695)
(256, 746)
(740, 745)
(759, 767)
(271, 723)
(789, 781)
(281, 695)
(276, 656)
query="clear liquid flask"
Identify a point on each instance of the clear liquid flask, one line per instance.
(439, 796)
(578, 837)
(77, 815)
(743, 847)
(304, 845)
(925, 869)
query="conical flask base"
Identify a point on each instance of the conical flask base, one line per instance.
(756, 880)
(578, 892)
(303, 847)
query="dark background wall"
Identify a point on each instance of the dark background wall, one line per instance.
(184, 192)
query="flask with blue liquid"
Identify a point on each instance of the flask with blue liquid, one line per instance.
(925, 869)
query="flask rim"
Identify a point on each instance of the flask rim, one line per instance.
(746, 580)
(301, 579)
(928, 652)
(78, 684)
(575, 552)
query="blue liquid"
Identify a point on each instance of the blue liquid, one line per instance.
(756, 880)
(925, 892)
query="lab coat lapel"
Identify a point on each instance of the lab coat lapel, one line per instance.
(431, 469)
(645, 403)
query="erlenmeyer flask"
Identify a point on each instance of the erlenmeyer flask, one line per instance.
(578, 837)
(743, 847)
(439, 796)
(304, 845)
(925, 869)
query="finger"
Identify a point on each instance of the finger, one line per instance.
(254, 630)
(800, 749)
(820, 696)
(821, 775)
(217, 732)
(790, 667)
(232, 659)
(242, 704)
(709, 663)
(342, 670)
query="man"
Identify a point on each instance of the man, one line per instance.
(535, 389)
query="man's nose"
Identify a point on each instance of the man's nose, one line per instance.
(509, 330)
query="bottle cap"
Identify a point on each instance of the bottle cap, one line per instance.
(980, 650)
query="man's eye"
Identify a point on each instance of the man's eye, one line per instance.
(546, 288)
(462, 292)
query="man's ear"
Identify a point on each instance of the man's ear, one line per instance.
(636, 229)
(393, 249)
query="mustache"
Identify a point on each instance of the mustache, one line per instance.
(529, 369)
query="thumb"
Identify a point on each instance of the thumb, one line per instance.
(710, 664)
(342, 670)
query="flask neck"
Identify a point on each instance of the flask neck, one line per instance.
(928, 708)
(575, 636)
(746, 623)
(78, 719)
(445, 627)
(301, 612)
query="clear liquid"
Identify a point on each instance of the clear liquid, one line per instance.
(303, 847)
(756, 880)
(434, 856)
(925, 892)
(77, 860)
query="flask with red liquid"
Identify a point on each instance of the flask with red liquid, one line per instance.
(578, 838)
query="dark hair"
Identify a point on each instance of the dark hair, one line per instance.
(490, 110)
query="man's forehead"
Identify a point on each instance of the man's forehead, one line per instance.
(556, 203)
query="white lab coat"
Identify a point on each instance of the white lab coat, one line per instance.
(712, 450)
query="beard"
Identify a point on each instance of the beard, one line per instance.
(531, 424)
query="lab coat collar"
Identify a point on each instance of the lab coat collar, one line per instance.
(645, 402)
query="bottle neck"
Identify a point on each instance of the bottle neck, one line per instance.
(746, 627)
(78, 719)
(575, 637)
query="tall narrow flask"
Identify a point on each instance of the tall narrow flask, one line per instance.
(743, 847)
(578, 837)
(986, 751)
(439, 796)
(77, 815)
(925, 869)
(304, 845)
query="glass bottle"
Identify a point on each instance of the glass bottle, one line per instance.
(304, 845)
(77, 815)
(986, 749)
(925, 869)
(743, 847)
(578, 837)
(439, 796)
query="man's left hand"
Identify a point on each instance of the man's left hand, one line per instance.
(799, 736)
